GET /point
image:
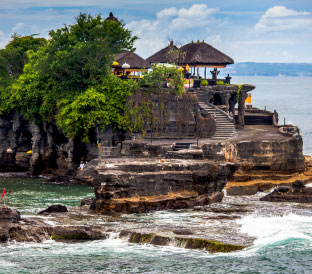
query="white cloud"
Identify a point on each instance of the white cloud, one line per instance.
(181, 25)
(281, 11)
(198, 15)
(17, 27)
(169, 12)
(279, 18)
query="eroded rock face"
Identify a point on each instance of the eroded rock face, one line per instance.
(140, 185)
(51, 151)
(270, 155)
(9, 215)
(297, 192)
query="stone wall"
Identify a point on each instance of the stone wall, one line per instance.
(167, 115)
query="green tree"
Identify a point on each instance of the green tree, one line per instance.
(14, 56)
(101, 105)
(68, 79)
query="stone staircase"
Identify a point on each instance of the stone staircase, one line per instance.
(224, 123)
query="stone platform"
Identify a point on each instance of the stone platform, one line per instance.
(132, 185)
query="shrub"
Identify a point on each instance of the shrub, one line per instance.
(204, 83)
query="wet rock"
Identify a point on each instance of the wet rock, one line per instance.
(228, 210)
(177, 200)
(79, 233)
(189, 243)
(29, 233)
(208, 245)
(54, 208)
(9, 215)
(297, 192)
(4, 235)
(224, 217)
(183, 232)
(87, 201)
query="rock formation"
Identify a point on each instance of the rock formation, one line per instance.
(54, 208)
(297, 192)
(138, 185)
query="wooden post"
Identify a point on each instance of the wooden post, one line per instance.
(197, 73)
(205, 73)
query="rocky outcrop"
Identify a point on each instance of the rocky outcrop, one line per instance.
(253, 181)
(15, 228)
(185, 242)
(42, 147)
(9, 215)
(274, 155)
(80, 233)
(138, 185)
(297, 192)
(54, 208)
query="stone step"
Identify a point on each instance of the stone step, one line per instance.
(224, 126)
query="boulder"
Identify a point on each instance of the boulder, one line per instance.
(54, 208)
(9, 215)
(78, 233)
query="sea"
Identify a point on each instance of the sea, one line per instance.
(282, 232)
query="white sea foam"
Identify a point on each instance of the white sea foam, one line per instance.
(273, 230)
(6, 264)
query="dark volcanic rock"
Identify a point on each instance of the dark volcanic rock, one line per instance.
(4, 235)
(87, 201)
(78, 233)
(296, 193)
(54, 208)
(8, 215)
(190, 243)
(183, 232)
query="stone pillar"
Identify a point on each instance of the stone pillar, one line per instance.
(241, 109)
(226, 101)
(241, 104)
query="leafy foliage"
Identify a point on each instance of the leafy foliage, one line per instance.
(100, 105)
(204, 83)
(160, 76)
(68, 77)
(14, 56)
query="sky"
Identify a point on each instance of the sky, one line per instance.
(246, 30)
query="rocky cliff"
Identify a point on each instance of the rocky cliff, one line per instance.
(39, 147)
(137, 185)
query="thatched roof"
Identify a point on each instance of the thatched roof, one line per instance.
(162, 55)
(201, 53)
(134, 60)
(111, 17)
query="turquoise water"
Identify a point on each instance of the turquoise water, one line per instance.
(283, 231)
(283, 245)
(290, 96)
(30, 195)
